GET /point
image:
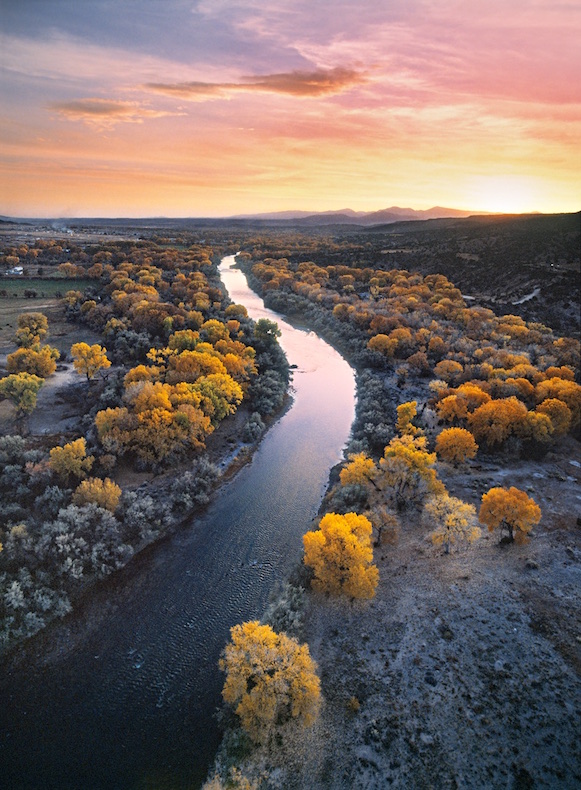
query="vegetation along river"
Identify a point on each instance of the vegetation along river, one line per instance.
(122, 694)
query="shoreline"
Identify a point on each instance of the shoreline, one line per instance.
(42, 648)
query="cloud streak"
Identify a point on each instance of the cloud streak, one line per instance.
(106, 112)
(321, 82)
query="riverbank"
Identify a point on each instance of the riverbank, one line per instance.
(463, 671)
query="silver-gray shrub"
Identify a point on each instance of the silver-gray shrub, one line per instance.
(192, 489)
(141, 517)
(83, 541)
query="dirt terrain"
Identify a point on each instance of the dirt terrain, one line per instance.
(463, 672)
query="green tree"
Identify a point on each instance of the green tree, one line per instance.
(266, 331)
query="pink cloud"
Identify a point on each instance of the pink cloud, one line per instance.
(320, 82)
(106, 112)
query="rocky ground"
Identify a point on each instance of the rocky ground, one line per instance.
(463, 672)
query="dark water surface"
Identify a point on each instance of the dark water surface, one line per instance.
(128, 702)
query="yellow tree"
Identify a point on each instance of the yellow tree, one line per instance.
(220, 395)
(71, 460)
(456, 445)
(190, 365)
(32, 329)
(21, 389)
(270, 679)
(407, 469)
(511, 510)
(495, 421)
(454, 520)
(449, 370)
(341, 556)
(452, 409)
(88, 360)
(559, 414)
(562, 389)
(38, 361)
(104, 493)
(405, 414)
(359, 471)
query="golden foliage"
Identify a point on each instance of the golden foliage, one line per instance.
(32, 329)
(270, 678)
(509, 509)
(71, 460)
(405, 414)
(407, 469)
(456, 445)
(104, 493)
(340, 554)
(359, 471)
(21, 389)
(220, 395)
(38, 361)
(88, 360)
(190, 365)
(559, 414)
(454, 520)
(448, 369)
(562, 389)
(495, 421)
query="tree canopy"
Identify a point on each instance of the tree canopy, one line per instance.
(341, 556)
(270, 678)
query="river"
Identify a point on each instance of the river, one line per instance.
(121, 695)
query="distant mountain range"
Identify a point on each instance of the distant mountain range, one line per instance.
(347, 216)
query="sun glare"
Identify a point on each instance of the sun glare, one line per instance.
(507, 195)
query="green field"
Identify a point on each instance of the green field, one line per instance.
(44, 287)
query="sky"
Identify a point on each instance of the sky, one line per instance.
(207, 108)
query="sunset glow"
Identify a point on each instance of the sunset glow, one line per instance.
(221, 107)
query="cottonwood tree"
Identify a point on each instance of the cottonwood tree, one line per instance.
(40, 361)
(510, 510)
(405, 414)
(456, 445)
(341, 556)
(104, 493)
(21, 389)
(454, 520)
(359, 471)
(270, 679)
(32, 329)
(562, 389)
(89, 360)
(495, 421)
(559, 414)
(407, 471)
(71, 460)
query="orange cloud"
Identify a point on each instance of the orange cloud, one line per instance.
(321, 82)
(105, 112)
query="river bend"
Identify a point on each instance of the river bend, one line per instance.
(130, 705)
